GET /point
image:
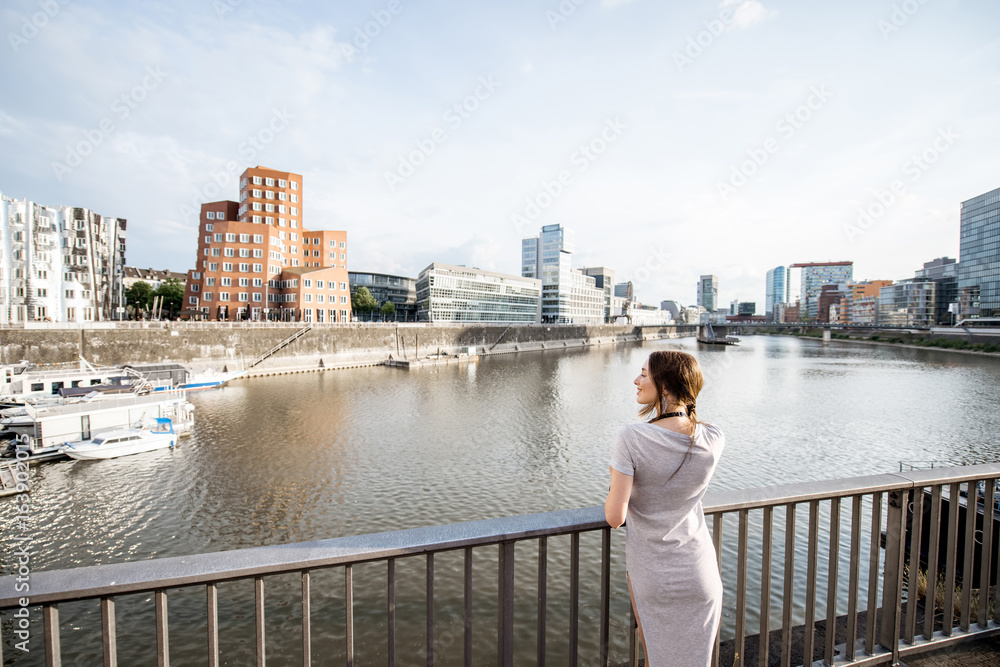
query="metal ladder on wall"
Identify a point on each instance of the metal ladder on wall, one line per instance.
(280, 346)
(8, 480)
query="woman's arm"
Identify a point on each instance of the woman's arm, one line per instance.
(617, 503)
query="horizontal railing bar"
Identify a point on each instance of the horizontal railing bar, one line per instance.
(941, 640)
(141, 576)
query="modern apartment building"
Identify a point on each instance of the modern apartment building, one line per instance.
(944, 272)
(908, 303)
(604, 279)
(863, 305)
(708, 292)
(775, 291)
(400, 291)
(814, 276)
(979, 257)
(568, 296)
(60, 263)
(449, 293)
(255, 256)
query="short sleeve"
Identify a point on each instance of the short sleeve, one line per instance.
(621, 455)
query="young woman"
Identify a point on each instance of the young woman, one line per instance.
(659, 472)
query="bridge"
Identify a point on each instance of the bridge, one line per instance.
(814, 572)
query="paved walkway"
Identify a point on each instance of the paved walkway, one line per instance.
(980, 653)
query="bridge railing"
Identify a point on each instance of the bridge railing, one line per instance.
(837, 584)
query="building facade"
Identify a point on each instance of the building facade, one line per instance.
(708, 292)
(248, 253)
(60, 263)
(400, 291)
(568, 296)
(152, 277)
(814, 276)
(449, 293)
(944, 272)
(979, 257)
(604, 279)
(775, 290)
(908, 303)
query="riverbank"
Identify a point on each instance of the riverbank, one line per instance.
(239, 345)
(904, 341)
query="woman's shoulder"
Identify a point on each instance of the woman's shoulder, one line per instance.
(712, 431)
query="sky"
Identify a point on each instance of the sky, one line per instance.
(676, 139)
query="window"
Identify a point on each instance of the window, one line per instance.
(281, 235)
(244, 268)
(319, 284)
(316, 253)
(343, 299)
(223, 296)
(244, 252)
(295, 199)
(226, 282)
(283, 197)
(257, 219)
(227, 267)
(70, 294)
(257, 180)
(244, 297)
(195, 287)
(342, 245)
(230, 252)
(207, 297)
(258, 238)
(343, 256)
(258, 268)
(282, 183)
(268, 194)
(308, 298)
(213, 267)
(215, 251)
(281, 221)
(209, 227)
(256, 296)
(210, 281)
(343, 316)
(257, 252)
(293, 236)
(218, 238)
(258, 207)
(307, 283)
(257, 282)
(333, 255)
(281, 208)
(244, 238)
(333, 244)
(208, 238)
(294, 210)
(230, 238)
(210, 215)
(295, 185)
(319, 298)
(193, 300)
(269, 208)
(343, 287)
(269, 182)
(219, 215)
(195, 275)
(244, 282)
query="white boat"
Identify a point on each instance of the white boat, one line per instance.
(145, 436)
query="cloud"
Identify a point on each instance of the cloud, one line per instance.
(747, 13)
(612, 4)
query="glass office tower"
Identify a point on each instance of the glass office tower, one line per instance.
(979, 258)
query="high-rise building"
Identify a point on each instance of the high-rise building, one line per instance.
(814, 276)
(944, 272)
(776, 290)
(568, 296)
(979, 256)
(448, 293)
(708, 292)
(604, 279)
(60, 263)
(256, 260)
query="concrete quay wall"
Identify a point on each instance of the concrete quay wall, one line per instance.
(215, 346)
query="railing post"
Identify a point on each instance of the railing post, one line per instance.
(892, 580)
(505, 615)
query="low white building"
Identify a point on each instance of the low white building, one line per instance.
(59, 263)
(650, 316)
(449, 293)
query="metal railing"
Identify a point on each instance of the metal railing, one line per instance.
(870, 591)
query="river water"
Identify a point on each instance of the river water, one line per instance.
(313, 456)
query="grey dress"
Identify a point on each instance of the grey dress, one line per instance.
(669, 554)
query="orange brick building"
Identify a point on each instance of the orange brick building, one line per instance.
(257, 261)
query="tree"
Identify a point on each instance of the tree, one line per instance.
(362, 301)
(172, 291)
(139, 297)
(388, 309)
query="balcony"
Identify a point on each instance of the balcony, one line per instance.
(796, 560)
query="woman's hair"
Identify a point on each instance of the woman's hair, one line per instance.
(675, 373)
